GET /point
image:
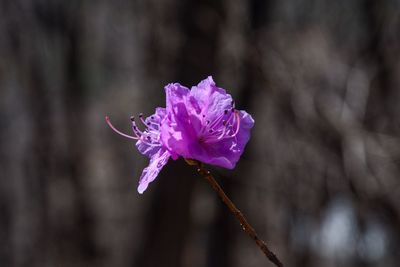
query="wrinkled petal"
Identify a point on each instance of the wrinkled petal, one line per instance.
(146, 149)
(175, 94)
(177, 131)
(149, 174)
(209, 99)
(213, 154)
(246, 123)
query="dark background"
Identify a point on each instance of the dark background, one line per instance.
(319, 179)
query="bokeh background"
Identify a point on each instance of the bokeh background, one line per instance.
(319, 179)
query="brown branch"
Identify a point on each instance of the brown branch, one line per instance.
(238, 214)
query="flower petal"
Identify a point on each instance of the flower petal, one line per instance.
(246, 123)
(146, 148)
(177, 131)
(175, 94)
(226, 152)
(149, 174)
(209, 98)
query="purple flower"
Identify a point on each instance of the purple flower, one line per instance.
(201, 124)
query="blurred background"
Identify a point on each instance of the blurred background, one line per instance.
(319, 179)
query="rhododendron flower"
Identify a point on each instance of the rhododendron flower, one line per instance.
(201, 124)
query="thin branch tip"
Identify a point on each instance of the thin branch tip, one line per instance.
(245, 225)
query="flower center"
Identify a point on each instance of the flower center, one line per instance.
(225, 126)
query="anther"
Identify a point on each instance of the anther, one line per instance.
(132, 118)
(225, 111)
(140, 115)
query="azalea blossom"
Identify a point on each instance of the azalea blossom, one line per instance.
(201, 123)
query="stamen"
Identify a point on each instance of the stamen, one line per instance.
(229, 129)
(217, 120)
(135, 129)
(223, 133)
(141, 119)
(226, 121)
(149, 124)
(119, 132)
(226, 125)
(146, 141)
(237, 116)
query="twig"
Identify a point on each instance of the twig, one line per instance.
(238, 214)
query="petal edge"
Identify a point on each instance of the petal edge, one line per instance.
(149, 174)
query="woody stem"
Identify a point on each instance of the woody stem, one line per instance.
(238, 214)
